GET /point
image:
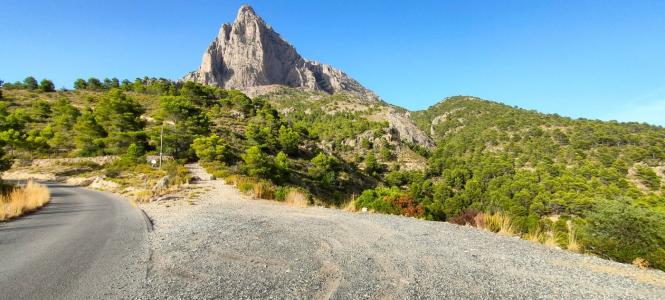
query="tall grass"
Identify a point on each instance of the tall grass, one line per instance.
(21, 200)
(536, 236)
(263, 189)
(550, 240)
(572, 238)
(296, 198)
(497, 222)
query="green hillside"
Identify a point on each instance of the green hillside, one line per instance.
(227, 131)
(585, 185)
(602, 181)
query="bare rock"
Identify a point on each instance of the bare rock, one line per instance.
(50, 162)
(161, 184)
(407, 130)
(20, 175)
(80, 181)
(249, 53)
(100, 183)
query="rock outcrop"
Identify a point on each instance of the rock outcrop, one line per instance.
(249, 53)
(408, 131)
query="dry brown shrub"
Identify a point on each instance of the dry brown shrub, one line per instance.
(23, 200)
(467, 217)
(264, 190)
(641, 263)
(408, 207)
(296, 198)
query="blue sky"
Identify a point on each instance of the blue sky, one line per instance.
(596, 59)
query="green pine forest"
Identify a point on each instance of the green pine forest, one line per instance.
(586, 185)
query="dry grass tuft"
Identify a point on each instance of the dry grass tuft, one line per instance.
(641, 263)
(350, 206)
(23, 200)
(479, 220)
(573, 245)
(498, 223)
(264, 190)
(143, 196)
(296, 198)
(537, 236)
(550, 240)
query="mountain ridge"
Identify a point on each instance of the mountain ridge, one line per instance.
(249, 53)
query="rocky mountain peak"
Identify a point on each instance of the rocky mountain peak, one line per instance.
(248, 53)
(246, 9)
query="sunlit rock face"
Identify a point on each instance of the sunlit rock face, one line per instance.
(249, 53)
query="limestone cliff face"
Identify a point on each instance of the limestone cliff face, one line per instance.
(249, 53)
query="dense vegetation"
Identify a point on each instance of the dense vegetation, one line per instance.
(553, 176)
(581, 184)
(224, 129)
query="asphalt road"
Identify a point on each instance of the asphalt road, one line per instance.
(83, 245)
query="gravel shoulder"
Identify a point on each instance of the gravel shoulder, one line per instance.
(226, 245)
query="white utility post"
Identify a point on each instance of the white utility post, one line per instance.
(161, 145)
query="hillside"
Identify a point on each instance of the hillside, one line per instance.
(229, 132)
(580, 184)
(596, 186)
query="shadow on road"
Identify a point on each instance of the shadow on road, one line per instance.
(19, 228)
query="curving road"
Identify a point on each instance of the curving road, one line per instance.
(83, 245)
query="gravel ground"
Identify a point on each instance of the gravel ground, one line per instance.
(226, 245)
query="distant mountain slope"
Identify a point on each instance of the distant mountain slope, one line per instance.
(249, 53)
(608, 158)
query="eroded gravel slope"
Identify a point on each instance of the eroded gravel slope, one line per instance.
(230, 246)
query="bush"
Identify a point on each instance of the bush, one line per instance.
(323, 169)
(407, 206)
(256, 162)
(46, 86)
(372, 166)
(177, 173)
(218, 170)
(80, 84)
(210, 148)
(467, 217)
(281, 193)
(288, 140)
(391, 201)
(262, 189)
(245, 186)
(134, 155)
(379, 200)
(321, 164)
(622, 231)
(30, 83)
(648, 177)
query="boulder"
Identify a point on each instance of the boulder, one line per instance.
(80, 181)
(161, 184)
(100, 183)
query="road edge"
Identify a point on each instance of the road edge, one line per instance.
(148, 222)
